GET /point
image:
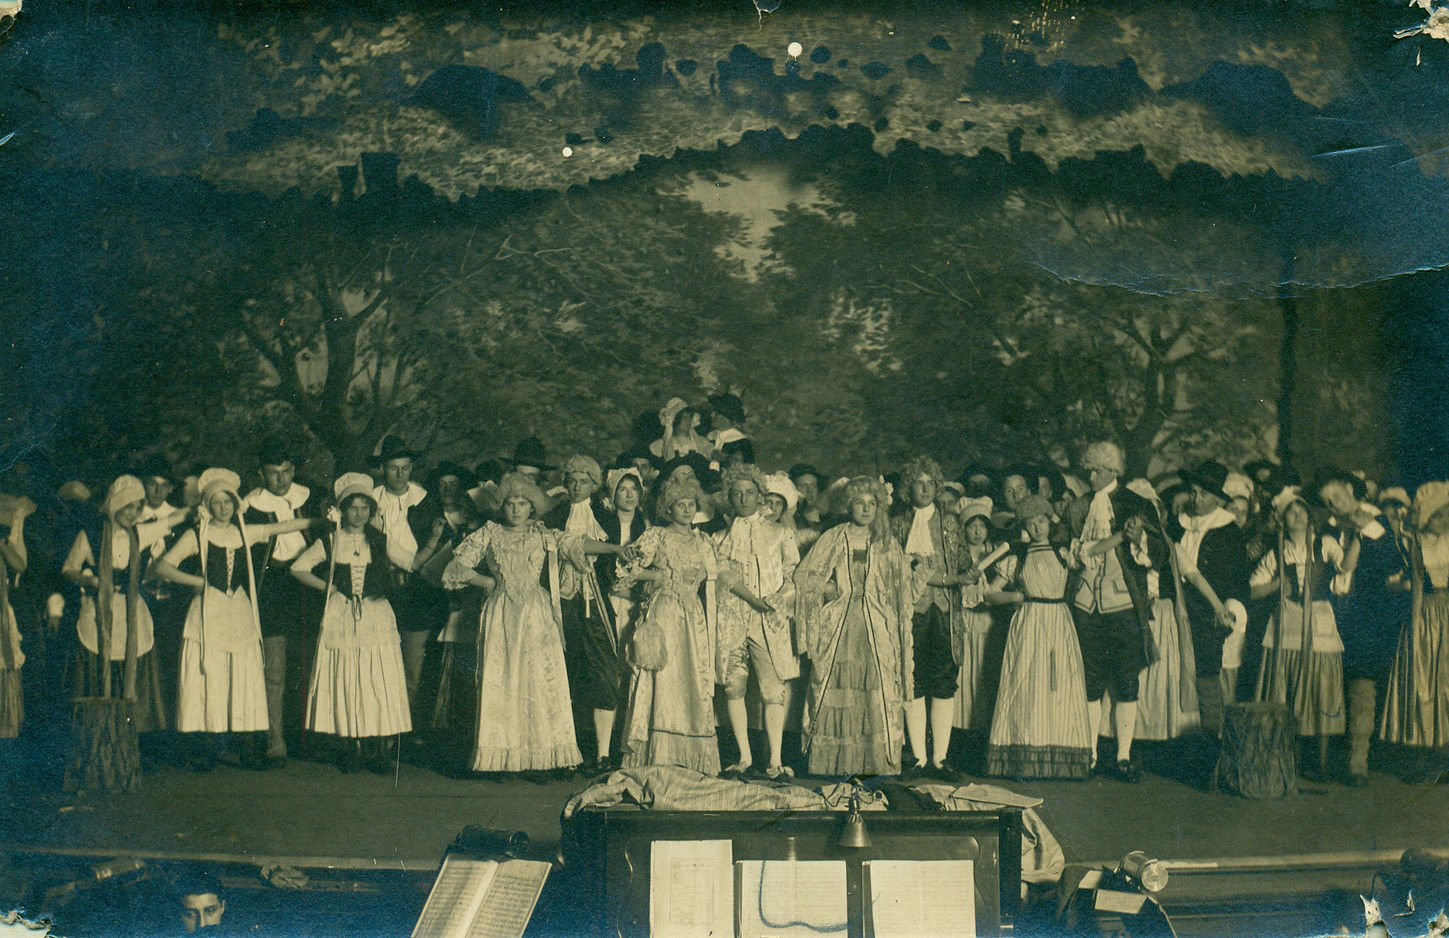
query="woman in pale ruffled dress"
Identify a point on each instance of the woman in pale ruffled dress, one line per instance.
(669, 718)
(525, 713)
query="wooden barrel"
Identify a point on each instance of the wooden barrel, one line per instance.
(105, 755)
(1259, 757)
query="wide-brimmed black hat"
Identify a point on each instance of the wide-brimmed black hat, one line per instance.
(728, 405)
(450, 468)
(530, 452)
(392, 447)
(1209, 476)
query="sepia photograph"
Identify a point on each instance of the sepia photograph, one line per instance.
(724, 468)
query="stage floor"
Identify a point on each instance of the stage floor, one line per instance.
(310, 814)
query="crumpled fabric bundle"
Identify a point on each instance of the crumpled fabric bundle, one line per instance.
(671, 788)
(1042, 860)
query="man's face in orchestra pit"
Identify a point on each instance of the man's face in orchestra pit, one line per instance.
(862, 511)
(127, 515)
(1039, 528)
(809, 488)
(744, 499)
(1013, 490)
(976, 531)
(1239, 507)
(397, 473)
(277, 477)
(221, 507)
(923, 490)
(201, 910)
(157, 490)
(682, 512)
(357, 512)
(517, 510)
(774, 507)
(580, 486)
(1338, 496)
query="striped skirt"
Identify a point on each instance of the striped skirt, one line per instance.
(1039, 728)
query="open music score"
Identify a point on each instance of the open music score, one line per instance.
(789, 898)
(691, 889)
(481, 898)
(920, 898)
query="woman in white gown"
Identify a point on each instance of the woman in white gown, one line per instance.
(525, 715)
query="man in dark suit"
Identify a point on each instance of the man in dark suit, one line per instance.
(1109, 596)
(287, 611)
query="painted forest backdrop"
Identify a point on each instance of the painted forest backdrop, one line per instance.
(979, 231)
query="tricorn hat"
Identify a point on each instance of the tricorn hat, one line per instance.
(1209, 476)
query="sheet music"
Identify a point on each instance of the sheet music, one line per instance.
(508, 904)
(455, 897)
(691, 889)
(921, 898)
(788, 898)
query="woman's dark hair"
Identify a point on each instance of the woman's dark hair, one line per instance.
(346, 502)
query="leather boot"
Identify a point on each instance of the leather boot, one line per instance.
(1210, 705)
(1361, 701)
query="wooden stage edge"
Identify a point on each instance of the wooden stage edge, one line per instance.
(1285, 862)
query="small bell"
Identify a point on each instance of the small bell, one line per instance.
(855, 834)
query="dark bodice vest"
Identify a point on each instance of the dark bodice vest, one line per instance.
(1319, 582)
(216, 567)
(377, 579)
